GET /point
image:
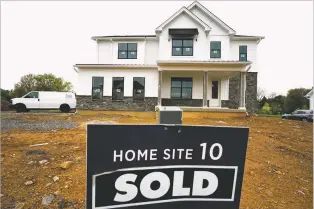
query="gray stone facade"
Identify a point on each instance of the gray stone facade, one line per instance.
(106, 103)
(250, 94)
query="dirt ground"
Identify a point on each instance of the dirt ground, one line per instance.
(278, 169)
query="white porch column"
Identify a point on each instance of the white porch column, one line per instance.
(205, 86)
(242, 90)
(159, 86)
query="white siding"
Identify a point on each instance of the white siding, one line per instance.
(104, 54)
(251, 52)
(224, 89)
(197, 88)
(200, 47)
(151, 52)
(85, 81)
(216, 28)
(108, 52)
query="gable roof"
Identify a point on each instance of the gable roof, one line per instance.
(214, 17)
(189, 13)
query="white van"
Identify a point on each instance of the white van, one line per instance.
(64, 101)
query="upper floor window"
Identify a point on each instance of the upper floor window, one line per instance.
(243, 53)
(182, 47)
(127, 51)
(215, 49)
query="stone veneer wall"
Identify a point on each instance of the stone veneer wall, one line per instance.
(251, 92)
(106, 103)
(250, 96)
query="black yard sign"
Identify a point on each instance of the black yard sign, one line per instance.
(167, 167)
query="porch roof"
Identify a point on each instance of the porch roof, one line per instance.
(204, 65)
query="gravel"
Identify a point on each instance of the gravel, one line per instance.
(10, 122)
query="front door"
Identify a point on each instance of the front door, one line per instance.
(214, 98)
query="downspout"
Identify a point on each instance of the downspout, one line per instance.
(144, 51)
(97, 49)
(111, 45)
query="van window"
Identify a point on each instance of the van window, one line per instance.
(32, 94)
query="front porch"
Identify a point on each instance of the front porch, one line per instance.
(202, 86)
(206, 109)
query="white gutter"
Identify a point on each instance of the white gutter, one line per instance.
(123, 38)
(110, 66)
(144, 49)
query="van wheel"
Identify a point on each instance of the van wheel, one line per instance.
(21, 108)
(65, 108)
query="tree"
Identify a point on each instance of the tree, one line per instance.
(295, 99)
(266, 109)
(272, 95)
(26, 84)
(260, 94)
(44, 82)
(262, 102)
(277, 104)
(49, 82)
(5, 95)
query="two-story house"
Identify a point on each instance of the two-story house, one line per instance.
(194, 60)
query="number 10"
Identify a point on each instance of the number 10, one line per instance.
(211, 151)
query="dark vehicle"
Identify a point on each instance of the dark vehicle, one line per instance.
(304, 115)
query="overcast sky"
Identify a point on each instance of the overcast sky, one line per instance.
(43, 37)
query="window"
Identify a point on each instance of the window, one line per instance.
(33, 94)
(138, 88)
(215, 49)
(97, 87)
(127, 51)
(181, 88)
(214, 89)
(117, 88)
(182, 47)
(243, 53)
